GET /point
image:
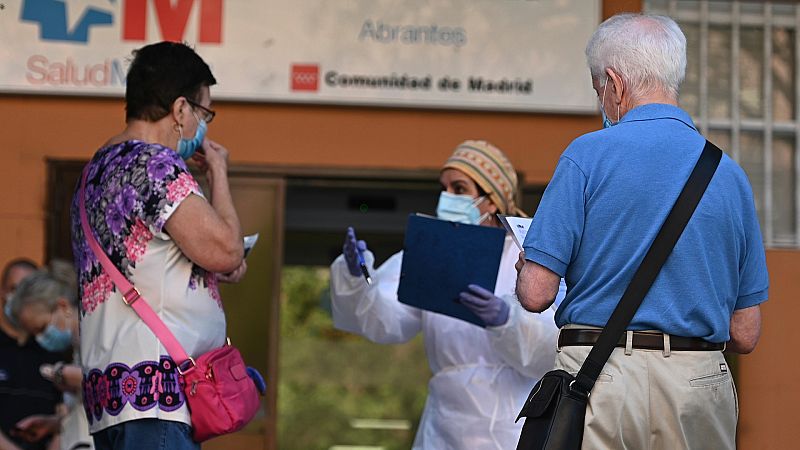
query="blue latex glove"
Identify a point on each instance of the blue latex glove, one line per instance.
(487, 306)
(350, 249)
(261, 385)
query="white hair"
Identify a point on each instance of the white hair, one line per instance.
(45, 287)
(648, 51)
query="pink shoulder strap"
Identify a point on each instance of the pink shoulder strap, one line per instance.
(130, 295)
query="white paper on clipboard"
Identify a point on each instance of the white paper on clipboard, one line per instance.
(516, 226)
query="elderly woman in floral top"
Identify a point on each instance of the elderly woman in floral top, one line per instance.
(149, 215)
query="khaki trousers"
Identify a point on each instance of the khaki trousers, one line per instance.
(653, 400)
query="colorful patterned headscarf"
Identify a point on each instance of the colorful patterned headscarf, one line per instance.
(491, 170)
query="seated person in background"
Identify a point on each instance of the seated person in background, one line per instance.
(23, 390)
(45, 305)
(481, 377)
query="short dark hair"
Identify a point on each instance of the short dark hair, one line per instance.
(22, 263)
(159, 74)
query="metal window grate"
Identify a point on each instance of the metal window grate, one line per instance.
(760, 120)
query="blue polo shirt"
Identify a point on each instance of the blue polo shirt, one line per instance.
(610, 194)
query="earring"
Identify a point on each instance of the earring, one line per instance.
(179, 128)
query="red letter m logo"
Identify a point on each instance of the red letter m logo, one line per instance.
(172, 20)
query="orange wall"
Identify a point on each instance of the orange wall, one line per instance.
(768, 389)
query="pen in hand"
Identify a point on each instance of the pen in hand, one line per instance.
(363, 265)
(356, 248)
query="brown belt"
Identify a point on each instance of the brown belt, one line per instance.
(646, 340)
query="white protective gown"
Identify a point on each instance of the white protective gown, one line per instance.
(481, 377)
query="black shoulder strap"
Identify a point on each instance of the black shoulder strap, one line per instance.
(651, 265)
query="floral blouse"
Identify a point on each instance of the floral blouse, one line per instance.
(132, 189)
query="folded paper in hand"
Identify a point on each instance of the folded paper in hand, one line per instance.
(517, 227)
(249, 243)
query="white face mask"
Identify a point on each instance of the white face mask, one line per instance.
(460, 208)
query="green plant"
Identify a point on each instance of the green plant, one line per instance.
(328, 378)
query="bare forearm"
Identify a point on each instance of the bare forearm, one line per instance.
(537, 287)
(745, 329)
(222, 202)
(72, 378)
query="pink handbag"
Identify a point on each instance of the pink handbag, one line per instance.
(221, 396)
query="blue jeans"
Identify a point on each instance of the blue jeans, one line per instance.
(151, 434)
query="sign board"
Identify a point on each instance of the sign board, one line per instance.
(525, 55)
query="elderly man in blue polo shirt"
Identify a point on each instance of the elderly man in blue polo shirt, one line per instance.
(610, 193)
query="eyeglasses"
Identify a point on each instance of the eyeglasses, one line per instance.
(208, 113)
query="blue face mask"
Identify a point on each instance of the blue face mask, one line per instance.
(187, 147)
(54, 339)
(7, 310)
(459, 208)
(606, 121)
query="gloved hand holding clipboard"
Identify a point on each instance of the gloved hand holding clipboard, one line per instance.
(442, 258)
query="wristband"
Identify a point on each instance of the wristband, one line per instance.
(58, 374)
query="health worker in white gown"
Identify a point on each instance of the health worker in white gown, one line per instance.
(481, 376)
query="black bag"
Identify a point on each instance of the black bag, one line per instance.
(555, 414)
(556, 407)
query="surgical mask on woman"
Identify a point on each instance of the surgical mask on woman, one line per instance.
(460, 208)
(187, 147)
(54, 339)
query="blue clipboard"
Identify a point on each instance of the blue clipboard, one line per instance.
(441, 258)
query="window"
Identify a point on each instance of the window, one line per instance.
(741, 89)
